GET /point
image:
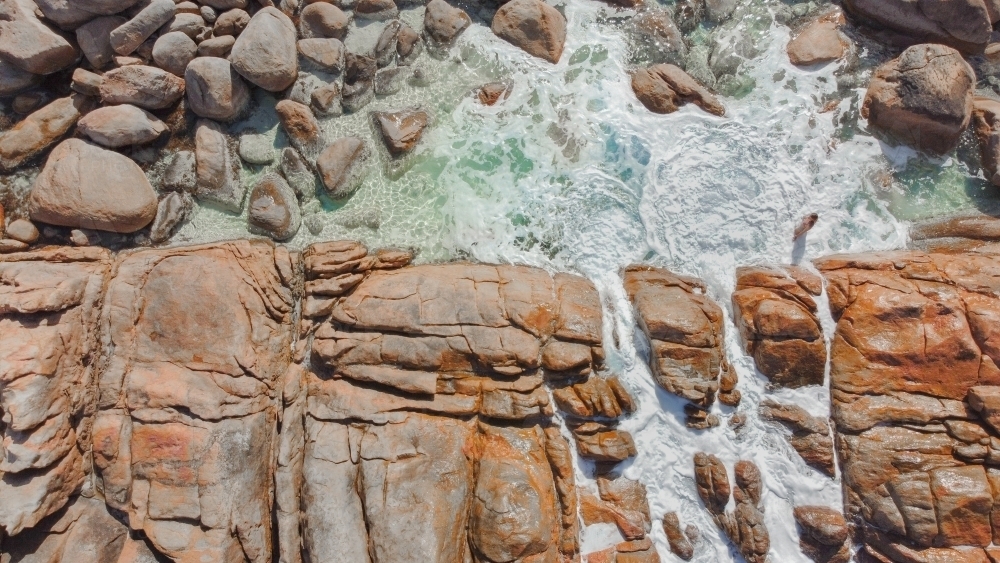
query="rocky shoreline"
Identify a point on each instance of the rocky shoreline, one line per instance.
(240, 402)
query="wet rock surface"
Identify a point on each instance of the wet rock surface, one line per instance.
(664, 88)
(532, 25)
(962, 25)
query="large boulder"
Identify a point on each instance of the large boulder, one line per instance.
(121, 126)
(963, 24)
(214, 89)
(444, 22)
(922, 98)
(41, 129)
(30, 44)
(533, 26)
(50, 299)
(173, 51)
(70, 14)
(323, 21)
(145, 86)
(87, 187)
(663, 88)
(265, 52)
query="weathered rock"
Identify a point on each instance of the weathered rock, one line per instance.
(922, 98)
(341, 166)
(256, 149)
(86, 82)
(680, 544)
(126, 38)
(265, 52)
(685, 332)
(324, 21)
(823, 534)
(231, 23)
(145, 86)
(745, 525)
(657, 37)
(490, 94)
(810, 437)
(357, 95)
(40, 130)
(401, 130)
(31, 45)
(712, 482)
(327, 100)
(301, 127)
(820, 41)
(359, 68)
(597, 396)
(173, 209)
(964, 25)
(190, 24)
(173, 51)
(94, 38)
(602, 442)
(986, 119)
(379, 10)
(274, 209)
(663, 88)
(22, 230)
(297, 173)
(385, 48)
(216, 46)
(218, 176)
(326, 54)
(88, 187)
(50, 300)
(443, 23)
(181, 173)
(182, 412)
(214, 89)
(14, 80)
(70, 14)
(532, 25)
(121, 126)
(776, 314)
(408, 45)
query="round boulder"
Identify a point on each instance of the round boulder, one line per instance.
(265, 53)
(85, 186)
(532, 25)
(121, 126)
(214, 89)
(274, 209)
(173, 51)
(322, 20)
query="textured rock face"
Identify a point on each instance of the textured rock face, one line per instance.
(49, 302)
(965, 24)
(923, 97)
(214, 89)
(823, 534)
(811, 435)
(912, 376)
(776, 312)
(444, 22)
(685, 332)
(145, 86)
(744, 525)
(663, 88)
(197, 341)
(427, 383)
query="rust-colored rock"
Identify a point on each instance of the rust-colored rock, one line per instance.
(811, 435)
(819, 41)
(823, 534)
(663, 88)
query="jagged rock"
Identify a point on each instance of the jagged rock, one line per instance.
(357, 95)
(14, 80)
(145, 86)
(327, 54)
(173, 209)
(601, 442)
(986, 119)
(378, 10)
(172, 458)
(680, 544)
(94, 38)
(685, 332)
(40, 130)
(390, 80)
(922, 98)
(490, 94)
(22, 230)
(324, 21)
(359, 68)
(776, 314)
(963, 25)
(126, 38)
(265, 53)
(663, 88)
(401, 130)
(385, 48)
(173, 51)
(341, 166)
(181, 174)
(218, 176)
(214, 89)
(121, 126)
(443, 23)
(810, 434)
(532, 25)
(28, 43)
(85, 186)
(595, 397)
(820, 41)
(823, 534)
(274, 209)
(50, 299)
(231, 23)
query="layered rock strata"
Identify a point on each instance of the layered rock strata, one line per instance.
(685, 331)
(913, 385)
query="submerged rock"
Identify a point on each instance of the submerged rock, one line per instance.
(173, 209)
(121, 126)
(297, 173)
(341, 166)
(663, 88)
(274, 209)
(265, 53)
(181, 173)
(823, 534)
(923, 98)
(818, 42)
(490, 94)
(88, 187)
(532, 25)
(408, 45)
(401, 130)
(986, 118)
(218, 176)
